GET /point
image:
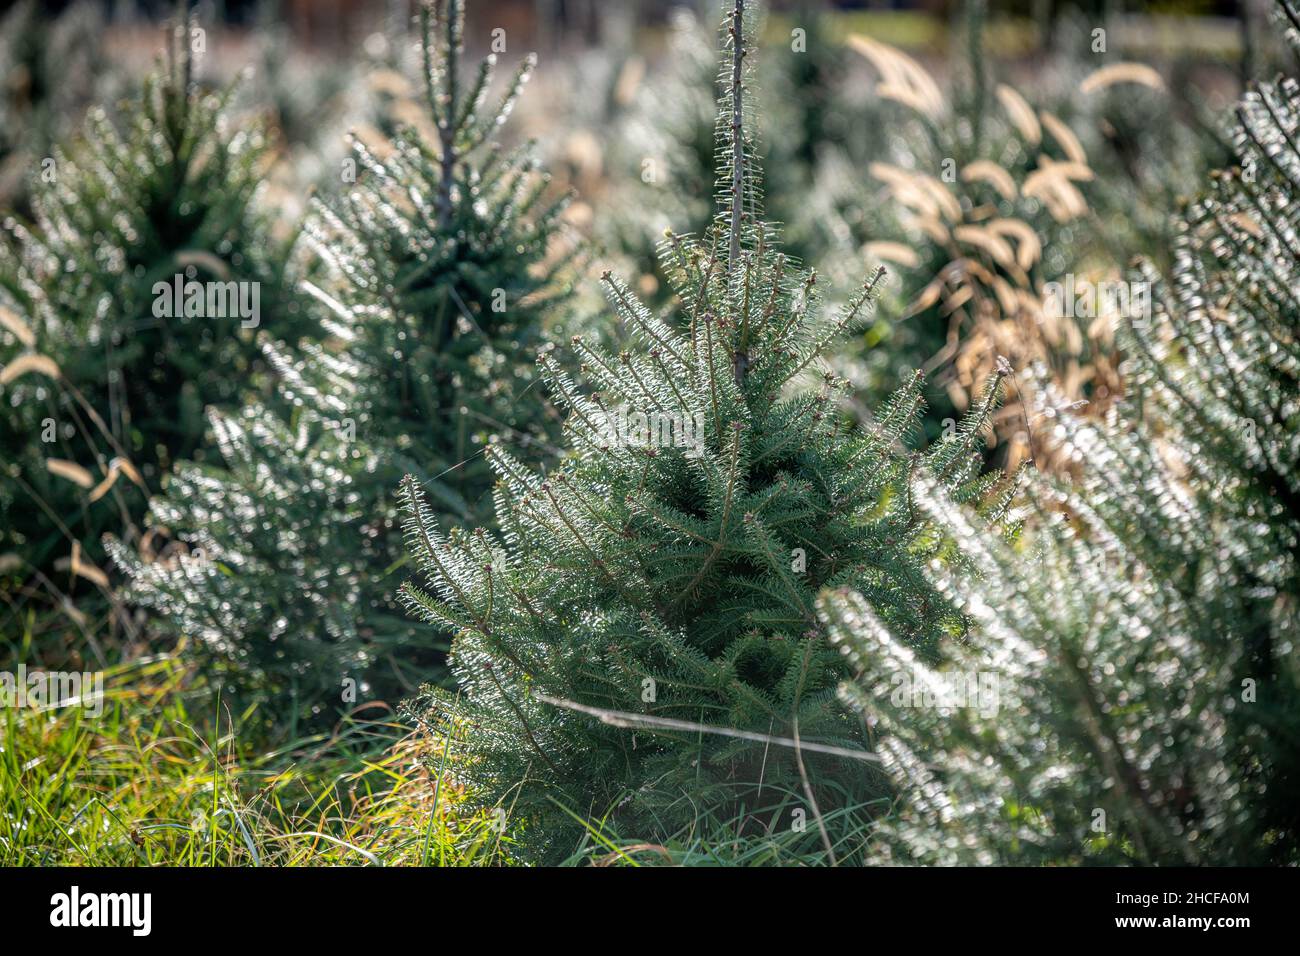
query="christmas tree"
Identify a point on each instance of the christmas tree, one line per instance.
(446, 264)
(129, 304)
(442, 261)
(661, 150)
(663, 577)
(1130, 691)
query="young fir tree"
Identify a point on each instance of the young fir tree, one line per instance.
(667, 570)
(442, 266)
(663, 156)
(97, 380)
(1144, 654)
(448, 267)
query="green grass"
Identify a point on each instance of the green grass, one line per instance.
(779, 833)
(165, 776)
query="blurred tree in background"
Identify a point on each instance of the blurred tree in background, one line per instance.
(443, 256)
(98, 385)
